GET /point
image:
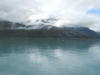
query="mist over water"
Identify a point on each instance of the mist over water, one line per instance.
(49, 56)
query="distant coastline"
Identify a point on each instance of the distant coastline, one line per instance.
(42, 33)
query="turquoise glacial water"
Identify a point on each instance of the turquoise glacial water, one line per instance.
(20, 56)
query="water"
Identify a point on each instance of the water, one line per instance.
(49, 56)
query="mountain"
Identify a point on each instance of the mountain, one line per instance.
(10, 29)
(98, 33)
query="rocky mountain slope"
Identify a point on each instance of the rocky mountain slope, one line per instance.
(10, 29)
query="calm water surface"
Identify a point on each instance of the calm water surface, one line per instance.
(49, 56)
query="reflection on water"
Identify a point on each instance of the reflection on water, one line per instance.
(49, 56)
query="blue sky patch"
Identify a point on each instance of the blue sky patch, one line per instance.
(94, 11)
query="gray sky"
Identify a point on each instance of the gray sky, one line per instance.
(69, 12)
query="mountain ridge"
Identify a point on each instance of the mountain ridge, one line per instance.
(10, 29)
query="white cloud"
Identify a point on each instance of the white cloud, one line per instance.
(70, 12)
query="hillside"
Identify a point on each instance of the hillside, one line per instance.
(9, 29)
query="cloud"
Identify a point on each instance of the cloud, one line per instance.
(69, 12)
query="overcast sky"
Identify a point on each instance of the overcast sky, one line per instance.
(83, 13)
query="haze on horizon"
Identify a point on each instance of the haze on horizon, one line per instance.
(71, 13)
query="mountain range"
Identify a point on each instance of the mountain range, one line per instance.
(44, 30)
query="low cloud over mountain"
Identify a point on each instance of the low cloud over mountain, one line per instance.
(10, 29)
(71, 13)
